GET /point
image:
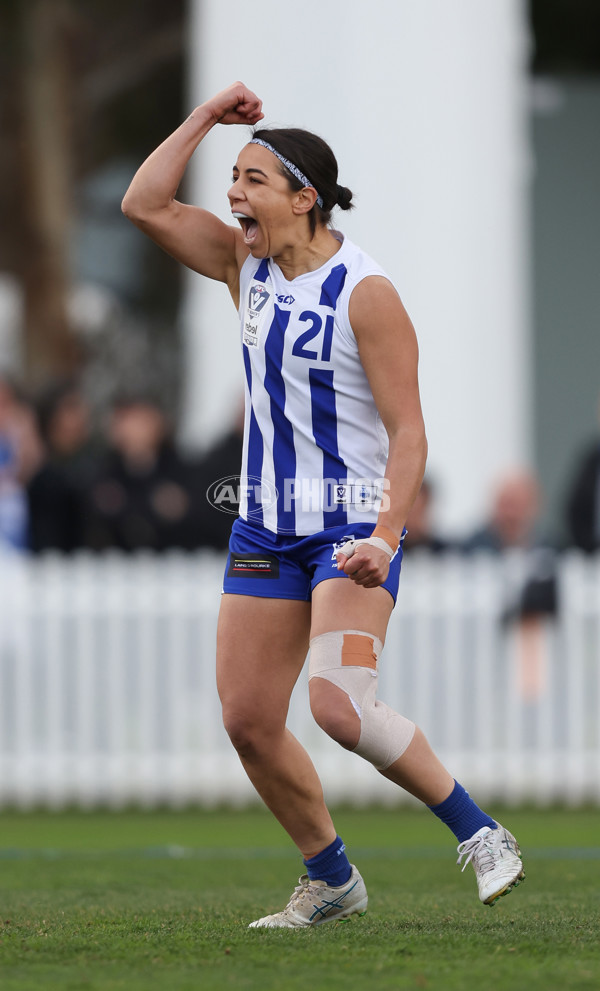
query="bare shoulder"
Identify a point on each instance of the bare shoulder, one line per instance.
(375, 305)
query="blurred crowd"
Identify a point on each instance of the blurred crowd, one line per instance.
(69, 482)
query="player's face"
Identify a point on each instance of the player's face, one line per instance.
(261, 200)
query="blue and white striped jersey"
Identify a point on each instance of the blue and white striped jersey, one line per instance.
(315, 448)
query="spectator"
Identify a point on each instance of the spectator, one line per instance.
(141, 495)
(20, 452)
(419, 524)
(513, 518)
(56, 492)
(583, 500)
(514, 525)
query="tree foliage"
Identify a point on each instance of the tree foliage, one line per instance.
(80, 83)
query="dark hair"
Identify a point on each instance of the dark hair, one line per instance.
(313, 156)
(129, 398)
(51, 399)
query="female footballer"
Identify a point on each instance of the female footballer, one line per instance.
(333, 457)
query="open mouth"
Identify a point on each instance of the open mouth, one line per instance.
(248, 225)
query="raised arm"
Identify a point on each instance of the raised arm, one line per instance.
(193, 236)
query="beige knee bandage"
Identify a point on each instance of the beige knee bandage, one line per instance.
(348, 659)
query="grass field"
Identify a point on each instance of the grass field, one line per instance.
(162, 901)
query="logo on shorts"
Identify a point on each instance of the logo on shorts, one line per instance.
(338, 544)
(252, 566)
(226, 494)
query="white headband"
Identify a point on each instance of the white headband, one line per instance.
(289, 166)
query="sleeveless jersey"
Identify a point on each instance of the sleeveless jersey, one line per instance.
(315, 448)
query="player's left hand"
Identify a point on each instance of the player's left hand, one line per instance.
(236, 105)
(366, 565)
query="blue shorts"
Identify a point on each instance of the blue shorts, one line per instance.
(276, 566)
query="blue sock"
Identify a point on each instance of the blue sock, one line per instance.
(461, 815)
(330, 865)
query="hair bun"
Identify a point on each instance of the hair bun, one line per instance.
(344, 198)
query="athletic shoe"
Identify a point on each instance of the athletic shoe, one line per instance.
(314, 902)
(495, 856)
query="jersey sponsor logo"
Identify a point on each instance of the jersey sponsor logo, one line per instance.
(252, 566)
(286, 300)
(251, 333)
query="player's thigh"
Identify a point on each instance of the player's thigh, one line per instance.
(261, 648)
(340, 604)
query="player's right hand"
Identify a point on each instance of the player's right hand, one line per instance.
(364, 564)
(236, 105)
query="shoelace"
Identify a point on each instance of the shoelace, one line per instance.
(479, 851)
(300, 891)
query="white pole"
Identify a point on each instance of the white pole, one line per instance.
(424, 106)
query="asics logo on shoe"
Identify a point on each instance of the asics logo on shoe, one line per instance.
(314, 903)
(325, 907)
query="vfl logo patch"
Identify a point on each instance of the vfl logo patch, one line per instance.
(252, 566)
(257, 297)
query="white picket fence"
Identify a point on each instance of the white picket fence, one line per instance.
(107, 687)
